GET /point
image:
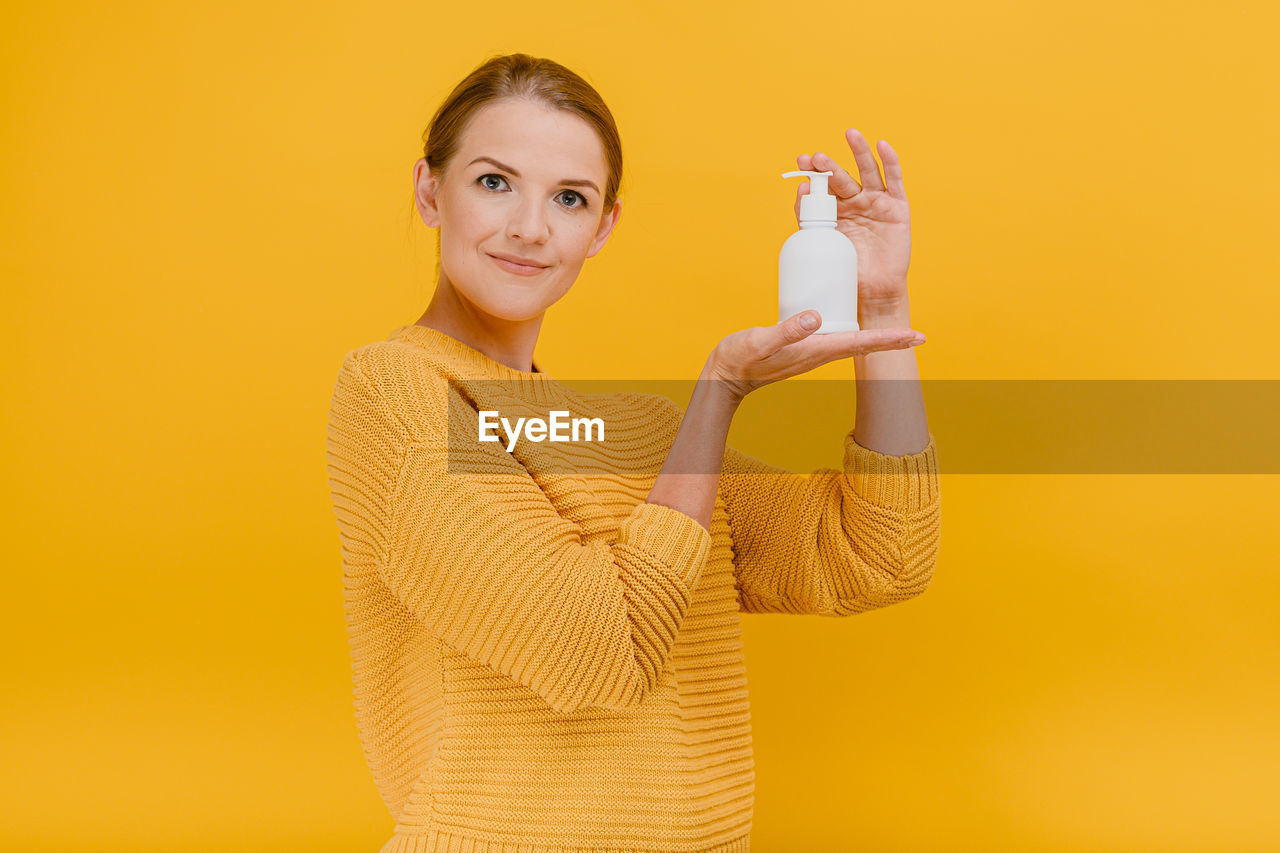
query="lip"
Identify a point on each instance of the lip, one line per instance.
(516, 264)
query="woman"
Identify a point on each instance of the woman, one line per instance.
(549, 660)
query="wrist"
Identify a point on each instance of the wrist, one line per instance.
(893, 316)
(718, 384)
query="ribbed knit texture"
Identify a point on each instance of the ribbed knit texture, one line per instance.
(543, 661)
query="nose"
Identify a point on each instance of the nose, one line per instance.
(528, 222)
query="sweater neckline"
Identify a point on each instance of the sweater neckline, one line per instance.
(434, 339)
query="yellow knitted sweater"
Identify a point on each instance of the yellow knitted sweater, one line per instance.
(543, 661)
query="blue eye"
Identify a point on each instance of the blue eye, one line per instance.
(581, 198)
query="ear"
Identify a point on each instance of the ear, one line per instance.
(606, 228)
(425, 188)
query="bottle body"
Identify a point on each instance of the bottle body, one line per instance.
(818, 270)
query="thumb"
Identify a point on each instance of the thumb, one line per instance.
(797, 327)
(801, 191)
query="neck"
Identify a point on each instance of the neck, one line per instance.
(509, 342)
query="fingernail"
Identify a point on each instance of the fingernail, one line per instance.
(809, 321)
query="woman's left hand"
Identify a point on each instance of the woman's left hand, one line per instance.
(875, 216)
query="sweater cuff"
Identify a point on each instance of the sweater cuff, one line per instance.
(673, 538)
(901, 484)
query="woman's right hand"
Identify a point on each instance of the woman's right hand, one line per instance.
(755, 357)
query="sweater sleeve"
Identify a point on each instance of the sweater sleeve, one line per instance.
(833, 543)
(485, 560)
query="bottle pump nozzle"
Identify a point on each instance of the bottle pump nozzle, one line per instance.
(817, 204)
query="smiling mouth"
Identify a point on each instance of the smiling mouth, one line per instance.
(512, 266)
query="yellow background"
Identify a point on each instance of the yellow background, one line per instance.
(206, 205)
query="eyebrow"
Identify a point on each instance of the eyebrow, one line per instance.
(567, 182)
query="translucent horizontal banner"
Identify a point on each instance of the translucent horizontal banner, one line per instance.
(626, 427)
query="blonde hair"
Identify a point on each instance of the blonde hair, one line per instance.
(519, 75)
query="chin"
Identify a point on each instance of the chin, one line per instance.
(515, 316)
(514, 310)
(508, 298)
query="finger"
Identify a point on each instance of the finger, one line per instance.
(841, 184)
(802, 187)
(889, 339)
(844, 344)
(892, 170)
(868, 168)
(791, 330)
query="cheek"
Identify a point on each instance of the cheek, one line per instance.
(462, 237)
(579, 240)
(473, 225)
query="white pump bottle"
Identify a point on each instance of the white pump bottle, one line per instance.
(818, 265)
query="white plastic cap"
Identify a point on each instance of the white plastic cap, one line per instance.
(818, 204)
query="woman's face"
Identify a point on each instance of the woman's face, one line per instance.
(527, 181)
